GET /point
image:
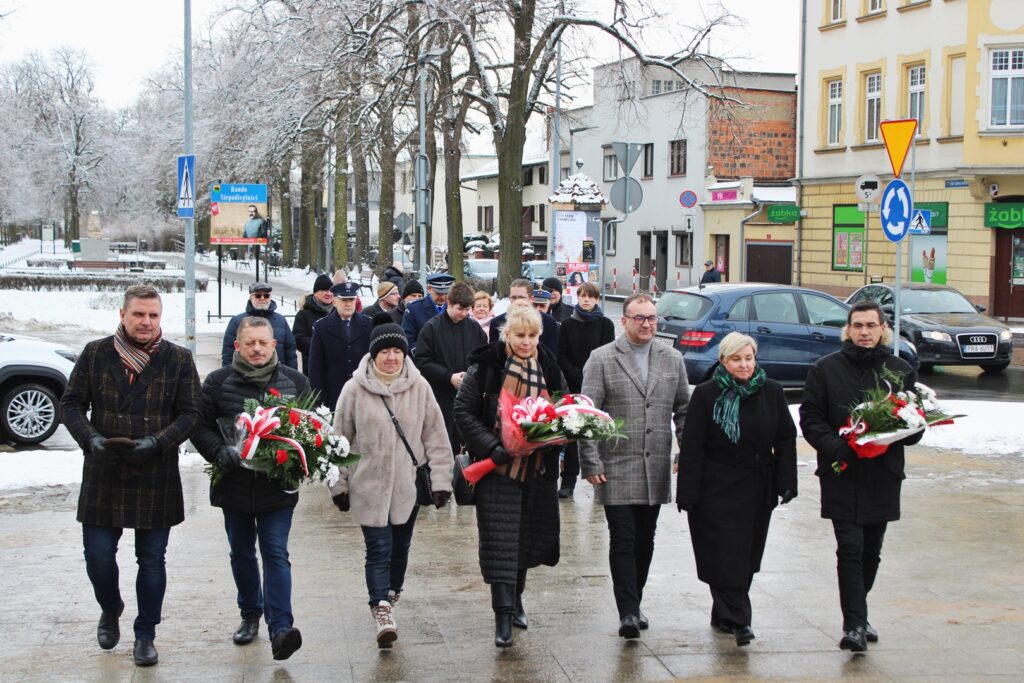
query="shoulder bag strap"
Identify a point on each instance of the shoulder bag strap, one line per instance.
(401, 434)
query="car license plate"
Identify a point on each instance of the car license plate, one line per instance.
(979, 348)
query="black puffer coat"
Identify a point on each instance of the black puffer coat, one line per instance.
(577, 339)
(224, 394)
(302, 328)
(517, 522)
(869, 490)
(392, 274)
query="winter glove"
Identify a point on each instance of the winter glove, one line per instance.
(101, 452)
(341, 501)
(145, 449)
(500, 456)
(786, 496)
(441, 498)
(227, 458)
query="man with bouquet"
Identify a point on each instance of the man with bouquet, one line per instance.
(254, 505)
(860, 495)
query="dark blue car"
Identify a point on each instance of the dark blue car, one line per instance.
(793, 327)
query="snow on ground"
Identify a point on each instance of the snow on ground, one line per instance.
(989, 428)
(22, 469)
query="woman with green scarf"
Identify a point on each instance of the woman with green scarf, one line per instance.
(737, 462)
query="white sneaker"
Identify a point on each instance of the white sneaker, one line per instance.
(387, 631)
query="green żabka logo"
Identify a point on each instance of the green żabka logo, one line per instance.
(1004, 215)
(783, 213)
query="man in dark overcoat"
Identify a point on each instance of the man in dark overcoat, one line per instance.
(261, 304)
(340, 340)
(419, 312)
(520, 291)
(860, 496)
(254, 506)
(316, 306)
(132, 399)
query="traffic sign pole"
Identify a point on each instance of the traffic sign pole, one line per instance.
(190, 223)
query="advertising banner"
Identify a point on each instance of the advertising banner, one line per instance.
(928, 261)
(238, 213)
(570, 231)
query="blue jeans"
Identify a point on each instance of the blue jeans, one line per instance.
(100, 543)
(387, 557)
(273, 597)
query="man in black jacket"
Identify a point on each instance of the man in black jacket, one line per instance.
(860, 496)
(442, 353)
(559, 310)
(253, 505)
(520, 291)
(317, 305)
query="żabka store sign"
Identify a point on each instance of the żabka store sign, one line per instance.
(1004, 215)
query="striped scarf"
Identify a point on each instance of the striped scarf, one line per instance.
(523, 379)
(135, 356)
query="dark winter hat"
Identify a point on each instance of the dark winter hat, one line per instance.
(260, 287)
(413, 287)
(387, 335)
(322, 282)
(552, 284)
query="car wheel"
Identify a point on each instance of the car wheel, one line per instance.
(925, 367)
(29, 413)
(995, 369)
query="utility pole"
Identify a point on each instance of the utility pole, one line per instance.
(190, 223)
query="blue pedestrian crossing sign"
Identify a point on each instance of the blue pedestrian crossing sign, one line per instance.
(186, 186)
(897, 210)
(921, 223)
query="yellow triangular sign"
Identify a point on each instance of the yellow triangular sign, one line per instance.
(898, 135)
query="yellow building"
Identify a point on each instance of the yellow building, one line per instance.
(957, 66)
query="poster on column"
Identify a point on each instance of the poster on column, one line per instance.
(575, 275)
(928, 259)
(570, 231)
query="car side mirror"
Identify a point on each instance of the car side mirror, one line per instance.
(981, 308)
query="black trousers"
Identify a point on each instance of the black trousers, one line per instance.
(731, 606)
(630, 549)
(858, 554)
(571, 464)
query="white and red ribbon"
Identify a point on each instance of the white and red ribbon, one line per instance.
(261, 425)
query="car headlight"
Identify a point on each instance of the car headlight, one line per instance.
(70, 355)
(1006, 335)
(936, 336)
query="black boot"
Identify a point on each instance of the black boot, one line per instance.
(567, 488)
(248, 629)
(108, 631)
(520, 620)
(144, 652)
(503, 601)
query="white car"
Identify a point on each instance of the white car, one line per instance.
(33, 376)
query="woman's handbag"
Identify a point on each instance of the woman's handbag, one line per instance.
(424, 489)
(464, 492)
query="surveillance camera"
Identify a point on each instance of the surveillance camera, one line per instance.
(993, 189)
(579, 164)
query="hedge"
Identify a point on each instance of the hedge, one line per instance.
(94, 282)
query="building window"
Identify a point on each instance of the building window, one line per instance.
(542, 175)
(872, 106)
(540, 216)
(611, 236)
(1007, 77)
(875, 6)
(527, 177)
(684, 241)
(649, 160)
(563, 173)
(835, 11)
(835, 111)
(656, 86)
(915, 95)
(677, 157)
(954, 99)
(488, 218)
(611, 166)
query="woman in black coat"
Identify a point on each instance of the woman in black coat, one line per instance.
(738, 456)
(582, 332)
(516, 504)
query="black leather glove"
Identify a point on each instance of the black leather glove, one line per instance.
(500, 456)
(441, 498)
(341, 501)
(101, 452)
(228, 458)
(145, 449)
(786, 496)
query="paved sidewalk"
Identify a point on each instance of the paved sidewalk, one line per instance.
(949, 601)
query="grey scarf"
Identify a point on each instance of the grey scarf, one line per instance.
(260, 376)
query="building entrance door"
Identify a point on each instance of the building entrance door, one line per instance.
(770, 262)
(644, 267)
(661, 260)
(722, 256)
(1009, 273)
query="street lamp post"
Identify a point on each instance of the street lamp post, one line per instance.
(423, 164)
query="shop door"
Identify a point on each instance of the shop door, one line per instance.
(1009, 273)
(661, 260)
(770, 263)
(645, 262)
(722, 256)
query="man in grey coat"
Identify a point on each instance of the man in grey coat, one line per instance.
(643, 383)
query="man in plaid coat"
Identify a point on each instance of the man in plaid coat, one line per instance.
(642, 382)
(143, 394)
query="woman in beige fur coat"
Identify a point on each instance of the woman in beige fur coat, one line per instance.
(381, 487)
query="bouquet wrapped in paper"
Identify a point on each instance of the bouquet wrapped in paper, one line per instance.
(289, 439)
(888, 416)
(537, 422)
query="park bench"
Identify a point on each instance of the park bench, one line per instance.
(366, 281)
(99, 265)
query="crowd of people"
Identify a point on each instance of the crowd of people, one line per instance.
(416, 378)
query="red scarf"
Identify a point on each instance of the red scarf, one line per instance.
(135, 356)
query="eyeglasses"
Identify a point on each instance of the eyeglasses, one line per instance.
(261, 295)
(541, 304)
(865, 326)
(641, 319)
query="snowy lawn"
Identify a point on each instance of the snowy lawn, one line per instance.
(52, 468)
